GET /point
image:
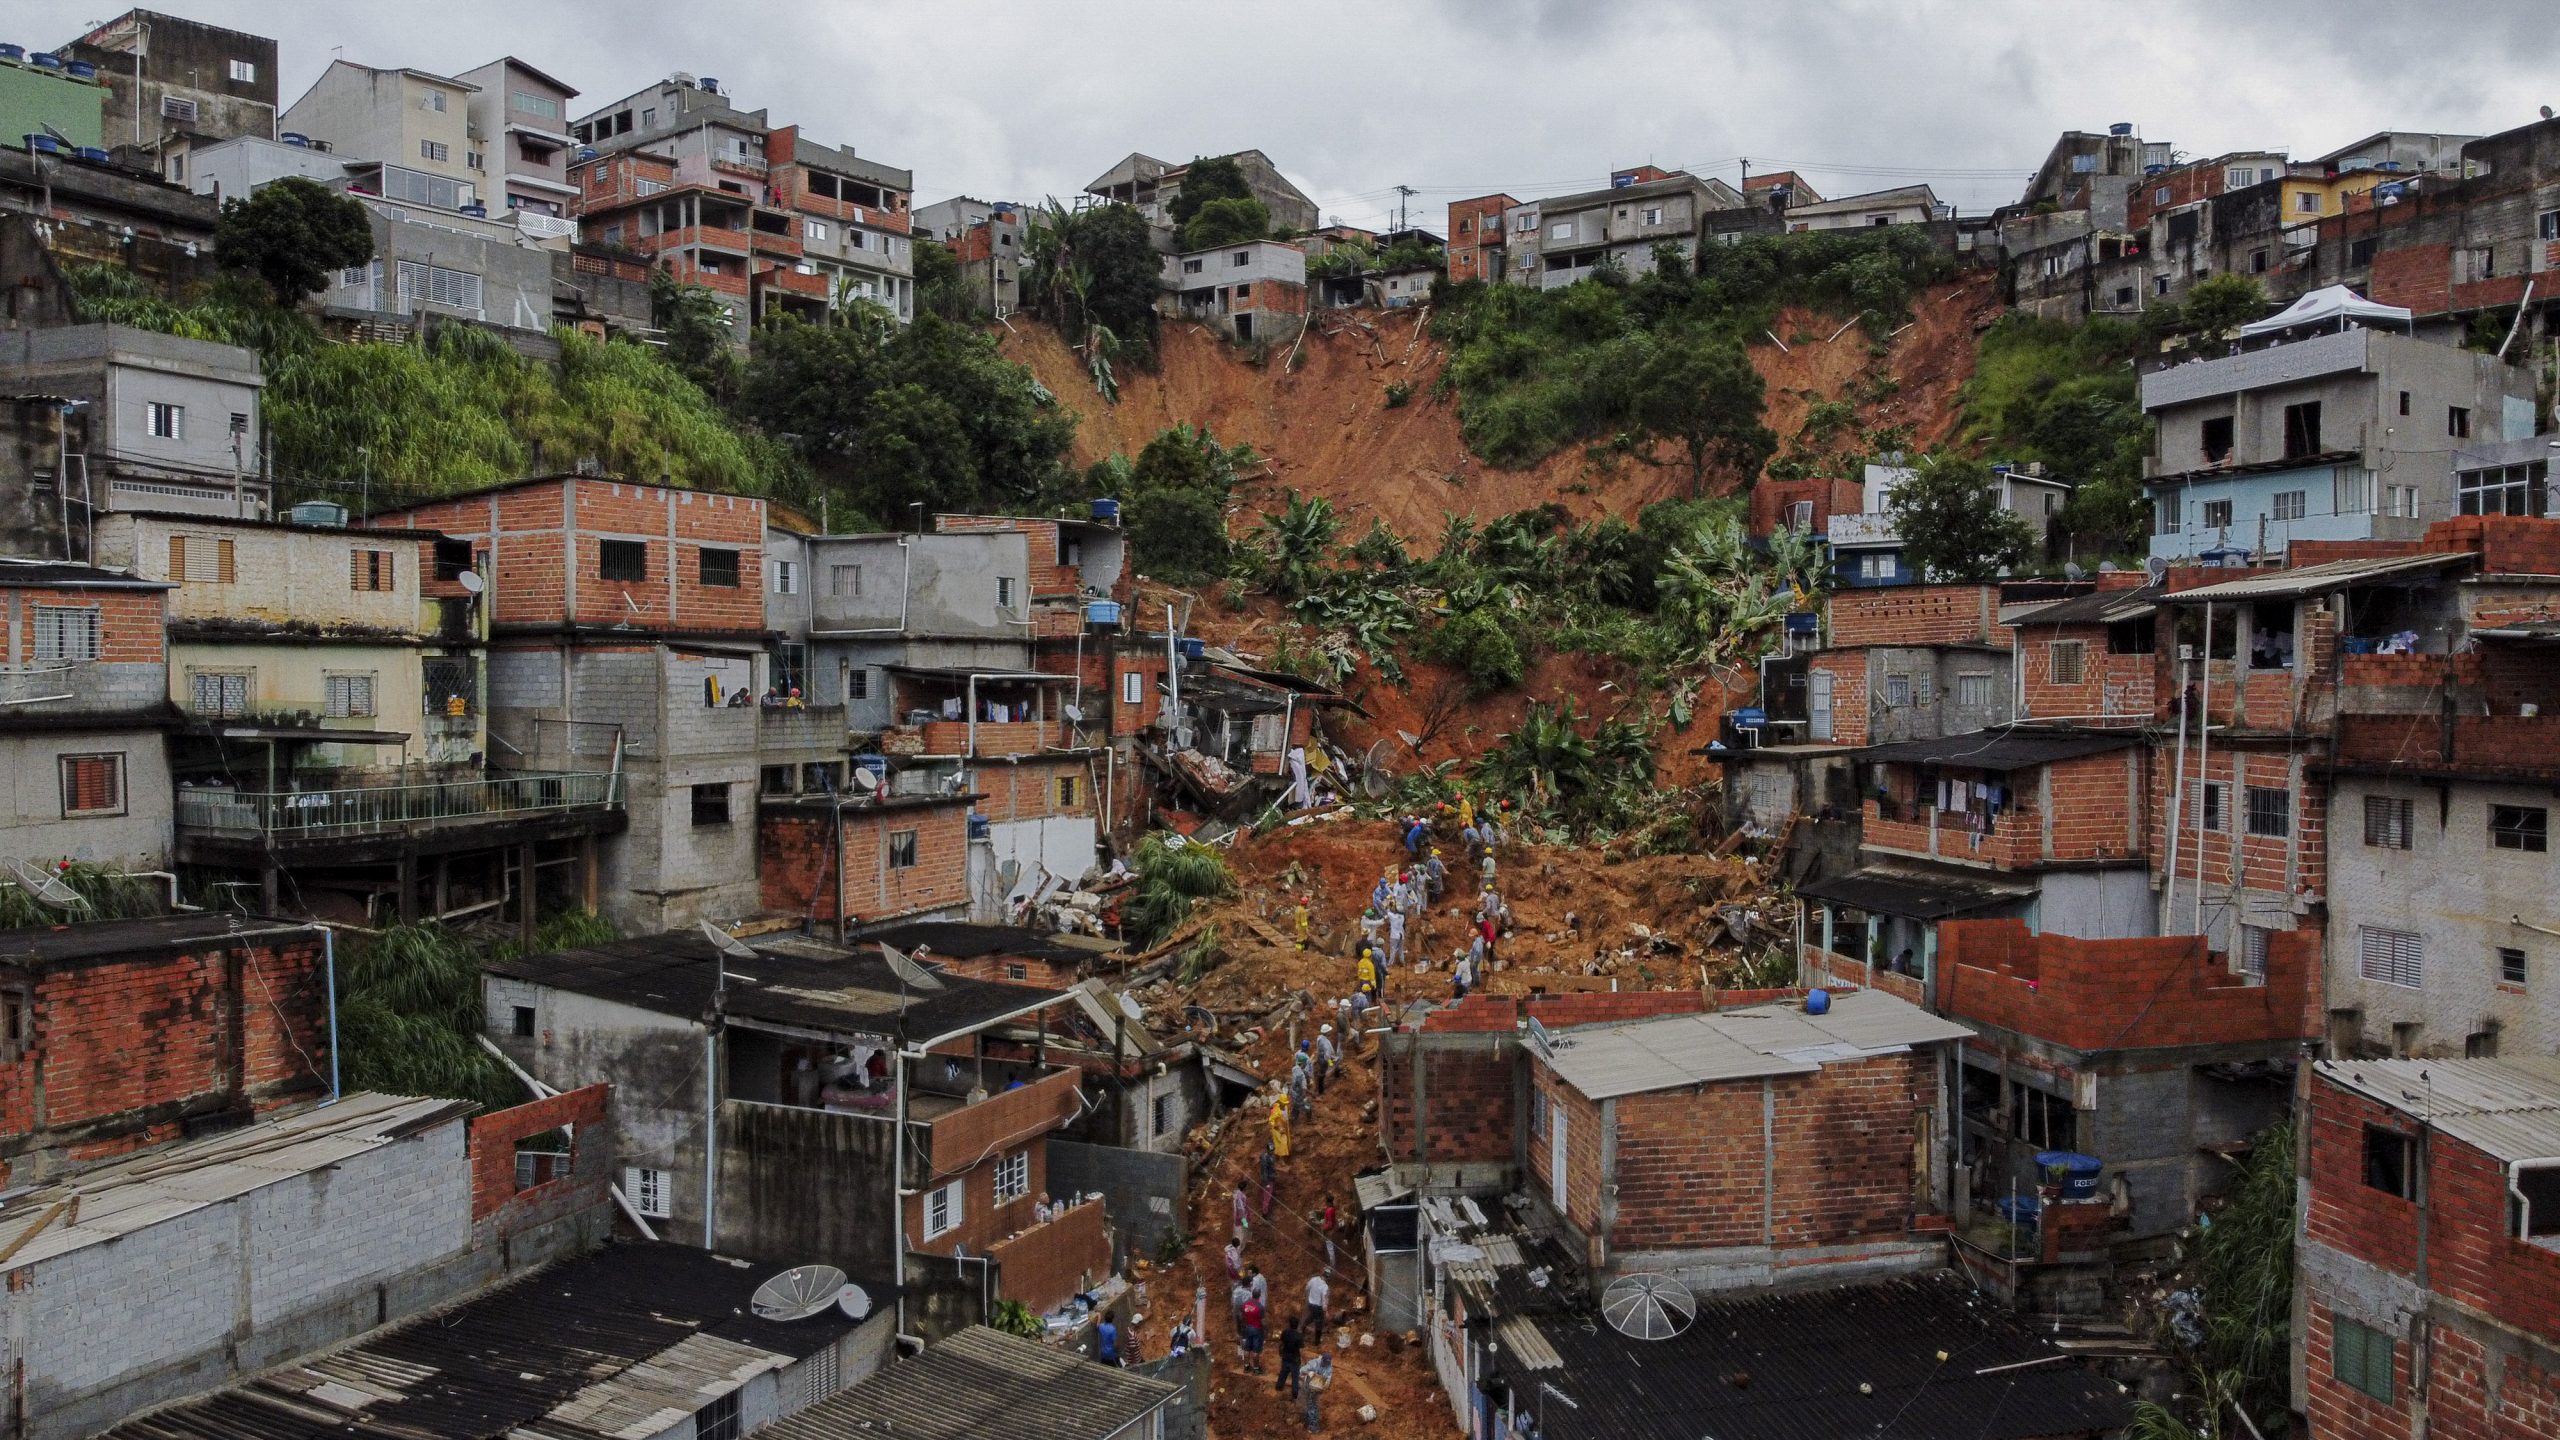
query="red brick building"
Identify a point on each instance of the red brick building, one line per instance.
(121, 1034)
(1477, 244)
(876, 858)
(2430, 1250)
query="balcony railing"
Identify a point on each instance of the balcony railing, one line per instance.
(545, 227)
(375, 809)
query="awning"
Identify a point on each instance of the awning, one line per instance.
(2307, 580)
(2321, 306)
(1917, 892)
(2011, 747)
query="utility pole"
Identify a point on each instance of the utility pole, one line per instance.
(1402, 192)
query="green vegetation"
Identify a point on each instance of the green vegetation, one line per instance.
(939, 288)
(1661, 357)
(1092, 274)
(410, 1011)
(293, 234)
(1172, 875)
(111, 895)
(2234, 1349)
(1226, 222)
(2219, 305)
(1215, 205)
(1952, 524)
(1354, 258)
(1599, 775)
(1175, 496)
(2066, 395)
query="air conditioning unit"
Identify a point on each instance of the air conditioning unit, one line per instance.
(179, 108)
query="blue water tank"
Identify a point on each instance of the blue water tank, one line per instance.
(13, 52)
(1102, 614)
(1817, 1001)
(1194, 649)
(1106, 510)
(2077, 1174)
(586, 153)
(878, 765)
(2121, 128)
(81, 70)
(94, 155)
(296, 139)
(2154, 169)
(44, 144)
(45, 60)
(1750, 717)
(476, 212)
(710, 83)
(1804, 622)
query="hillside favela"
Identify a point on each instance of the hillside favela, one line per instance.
(664, 779)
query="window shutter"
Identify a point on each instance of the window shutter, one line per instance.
(179, 108)
(178, 558)
(2394, 957)
(222, 561)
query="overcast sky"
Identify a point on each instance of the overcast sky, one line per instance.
(1013, 99)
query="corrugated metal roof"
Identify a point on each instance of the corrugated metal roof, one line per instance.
(1781, 1039)
(2098, 607)
(2506, 1108)
(981, 1382)
(1916, 891)
(2318, 579)
(2002, 749)
(1527, 1348)
(117, 1200)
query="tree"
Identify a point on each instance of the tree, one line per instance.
(1296, 543)
(1093, 274)
(700, 332)
(2221, 304)
(1176, 509)
(1952, 525)
(294, 234)
(1699, 388)
(1226, 222)
(1208, 179)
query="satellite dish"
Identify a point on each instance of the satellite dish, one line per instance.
(909, 972)
(2156, 569)
(854, 1301)
(471, 581)
(799, 1292)
(1175, 840)
(2107, 567)
(2071, 571)
(1074, 713)
(1374, 777)
(728, 944)
(865, 779)
(46, 887)
(1648, 1306)
(1130, 1007)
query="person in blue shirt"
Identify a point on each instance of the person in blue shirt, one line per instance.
(1106, 1342)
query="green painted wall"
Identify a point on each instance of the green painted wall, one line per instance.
(31, 99)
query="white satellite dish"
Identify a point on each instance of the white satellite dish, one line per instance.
(728, 944)
(799, 1292)
(865, 779)
(1075, 714)
(854, 1301)
(1648, 1306)
(908, 971)
(471, 582)
(1130, 1007)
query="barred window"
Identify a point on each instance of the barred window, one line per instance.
(65, 632)
(2386, 822)
(349, 696)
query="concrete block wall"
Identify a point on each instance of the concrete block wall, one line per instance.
(2099, 996)
(1918, 615)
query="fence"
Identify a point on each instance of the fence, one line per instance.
(372, 809)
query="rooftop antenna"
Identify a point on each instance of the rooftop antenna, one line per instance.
(1403, 192)
(725, 947)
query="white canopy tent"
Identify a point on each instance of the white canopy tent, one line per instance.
(2329, 303)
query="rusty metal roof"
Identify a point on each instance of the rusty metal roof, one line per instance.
(981, 1382)
(2506, 1108)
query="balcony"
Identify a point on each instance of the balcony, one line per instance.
(809, 727)
(2285, 364)
(537, 226)
(1869, 528)
(217, 823)
(953, 737)
(2483, 747)
(795, 282)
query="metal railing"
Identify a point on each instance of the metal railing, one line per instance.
(373, 809)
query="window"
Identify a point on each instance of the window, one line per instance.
(2208, 804)
(223, 692)
(2164, 517)
(17, 1023)
(813, 229)
(2547, 225)
(1524, 224)
(717, 1420)
(1875, 567)
(791, 667)
(1017, 973)
(2402, 501)
(1244, 292)
(1013, 1176)
(710, 804)
(2386, 822)
(857, 683)
(2520, 827)
(1070, 550)
(524, 1022)
(2270, 811)
(434, 150)
(2504, 490)
(2302, 429)
(369, 570)
(1004, 592)
(92, 785)
(775, 780)
(2133, 637)
(431, 100)
(2217, 514)
(2292, 504)
(2258, 261)
(1653, 215)
(2390, 1162)
(1133, 687)
(1191, 267)
(2253, 951)
(422, 284)
(2160, 196)
(2457, 421)
(453, 559)
(844, 580)
(1239, 259)
(1066, 792)
(622, 560)
(2306, 203)
(2360, 250)
(720, 568)
(1897, 690)
(1973, 690)
(2216, 433)
(2512, 966)
(1164, 1115)
(1561, 230)
(448, 684)
(167, 422)
(65, 632)
(179, 108)
(245, 71)
(542, 105)
(646, 1190)
(902, 849)
(943, 1209)
(2069, 659)
(348, 696)
(2240, 177)
(1800, 516)
(2393, 957)
(2360, 1357)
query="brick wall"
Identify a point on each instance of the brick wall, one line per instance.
(983, 1222)
(1694, 1169)
(2091, 806)
(2285, 864)
(1771, 501)
(1029, 789)
(2100, 995)
(1917, 615)
(493, 1149)
(797, 867)
(1469, 237)
(1468, 1109)
(1584, 1136)
(127, 1048)
(1046, 1264)
(131, 628)
(1848, 672)
(2108, 685)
